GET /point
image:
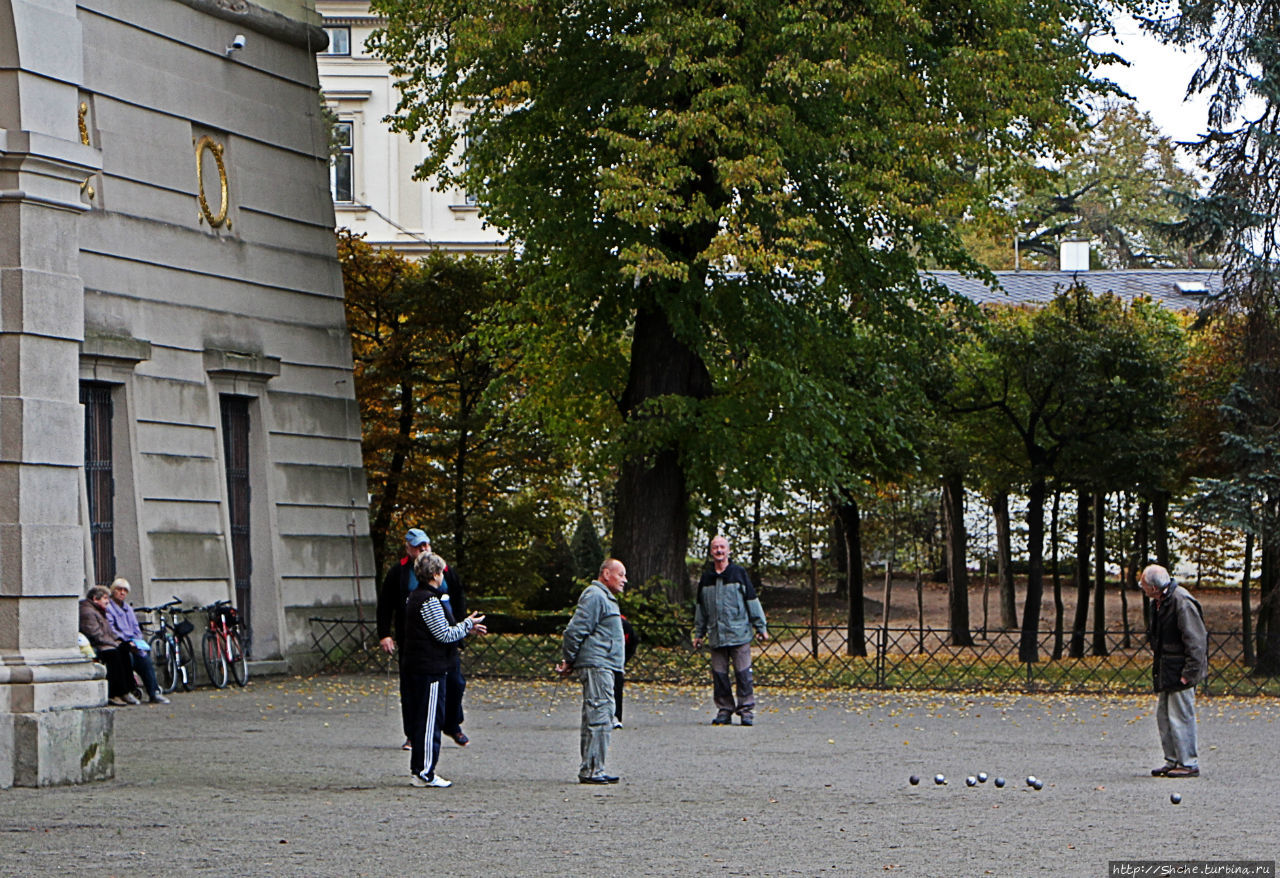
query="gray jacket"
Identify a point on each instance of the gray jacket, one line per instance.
(727, 608)
(593, 638)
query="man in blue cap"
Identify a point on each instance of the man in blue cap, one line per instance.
(399, 582)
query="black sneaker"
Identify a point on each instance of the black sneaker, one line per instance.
(748, 720)
(723, 718)
(599, 779)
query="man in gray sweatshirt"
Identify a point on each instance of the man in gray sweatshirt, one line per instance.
(593, 649)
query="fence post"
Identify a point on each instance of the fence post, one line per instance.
(882, 648)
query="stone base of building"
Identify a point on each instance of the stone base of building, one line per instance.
(54, 726)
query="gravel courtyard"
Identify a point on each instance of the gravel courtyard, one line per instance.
(304, 776)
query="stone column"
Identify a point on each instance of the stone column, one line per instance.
(54, 727)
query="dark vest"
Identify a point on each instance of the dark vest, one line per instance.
(423, 654)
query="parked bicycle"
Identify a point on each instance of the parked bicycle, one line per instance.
(221, 646)
(171, 650)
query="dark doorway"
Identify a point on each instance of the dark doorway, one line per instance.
(235, 453)
(99, 481)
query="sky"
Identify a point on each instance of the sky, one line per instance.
(1157, 79)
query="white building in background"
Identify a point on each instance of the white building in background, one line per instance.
(372, 179)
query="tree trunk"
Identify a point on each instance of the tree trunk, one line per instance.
(1004, 561)
(1144, 553)
(1246, 605)
(755, 543)
(840, 556)
(381, 524)
(957, 572)
(1160, 528)
(651, 515)
(851, 526)
(1269, 587)
(1129, 561)
(460, 504)
(1100, 575)
(1083, 536)
(1058, 610)
(1029, 649)
(651, 525)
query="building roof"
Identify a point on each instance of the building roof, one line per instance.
(1180, 289)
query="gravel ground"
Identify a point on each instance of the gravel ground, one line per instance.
(304, 776)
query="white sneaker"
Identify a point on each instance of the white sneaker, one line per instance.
(617, 723)
(130, 698)
(420, 780)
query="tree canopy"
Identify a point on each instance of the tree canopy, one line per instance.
(723, 206)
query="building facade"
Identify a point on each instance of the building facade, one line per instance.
(372, 182)
(176, 398)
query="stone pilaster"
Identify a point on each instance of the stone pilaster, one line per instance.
(54, 727)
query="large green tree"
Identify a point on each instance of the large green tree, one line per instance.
(725, 203)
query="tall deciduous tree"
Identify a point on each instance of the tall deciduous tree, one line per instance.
(440, 451)
(726, 202)
(1241, 215)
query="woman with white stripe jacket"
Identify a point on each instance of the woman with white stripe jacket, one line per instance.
(430, 646)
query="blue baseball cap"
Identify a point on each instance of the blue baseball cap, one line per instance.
(417, 537)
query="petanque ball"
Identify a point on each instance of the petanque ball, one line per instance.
(914, 779)
(939, 779)
(1031, 780)
(971, 781)
(1176, 798)
(1000, 781)
(1038, 785)
(982, 777)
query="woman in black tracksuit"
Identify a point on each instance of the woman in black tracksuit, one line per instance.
(430, 646)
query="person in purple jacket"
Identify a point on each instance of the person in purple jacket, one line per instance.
(124, 624)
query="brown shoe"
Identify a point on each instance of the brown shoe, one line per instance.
(1183, 771)
(1162, 770)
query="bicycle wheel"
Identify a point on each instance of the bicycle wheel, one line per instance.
(215, 663)
(236, 658)
(186, 664)
(165, 659)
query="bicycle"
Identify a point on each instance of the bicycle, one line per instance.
(221, 646)
(171, 650)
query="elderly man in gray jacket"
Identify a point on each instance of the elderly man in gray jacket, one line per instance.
(593, 647)
(1179, 646)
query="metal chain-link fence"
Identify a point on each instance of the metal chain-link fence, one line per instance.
(803, 657)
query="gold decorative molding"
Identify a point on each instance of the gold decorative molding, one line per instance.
(203, 145)
(84, 128)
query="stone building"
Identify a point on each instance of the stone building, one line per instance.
(176, 396)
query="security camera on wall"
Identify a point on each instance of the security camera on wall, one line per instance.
(237, 43)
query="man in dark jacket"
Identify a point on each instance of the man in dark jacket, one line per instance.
(398, 584)
(1180, 647)
(727, 613)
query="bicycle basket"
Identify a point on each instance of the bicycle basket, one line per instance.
(228, 615)
(183, 628)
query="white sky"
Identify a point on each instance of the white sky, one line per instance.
(1157, 78)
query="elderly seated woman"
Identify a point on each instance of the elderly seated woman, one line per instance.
(110, 649)
(124, 624)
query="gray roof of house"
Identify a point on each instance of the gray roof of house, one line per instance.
(1180, 289)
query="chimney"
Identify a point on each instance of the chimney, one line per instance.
(1073, 256)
